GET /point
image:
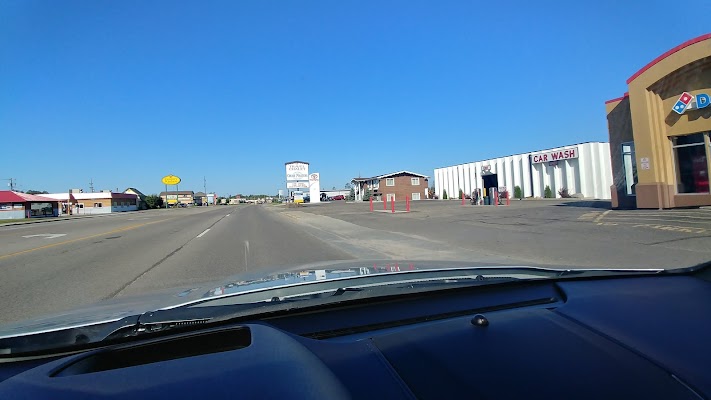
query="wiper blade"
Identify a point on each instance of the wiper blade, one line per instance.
(189, 318)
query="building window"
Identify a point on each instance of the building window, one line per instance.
(390, 196)
(630, 165)
(415, 196)
(691, 164)
(98, 205)
(389, 181)
(415, 181)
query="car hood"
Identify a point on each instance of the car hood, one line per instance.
(122, 307)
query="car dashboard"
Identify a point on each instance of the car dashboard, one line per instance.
(606, 337)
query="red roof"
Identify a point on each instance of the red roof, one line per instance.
(668, 53)
(7, 196)
(627, 94)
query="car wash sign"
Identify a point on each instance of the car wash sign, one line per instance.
(688, 101)
(555, 155)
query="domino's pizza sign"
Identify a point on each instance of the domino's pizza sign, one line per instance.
(688, 101)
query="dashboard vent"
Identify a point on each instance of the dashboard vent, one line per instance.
(163, 349)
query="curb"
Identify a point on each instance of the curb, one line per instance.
(39, 221)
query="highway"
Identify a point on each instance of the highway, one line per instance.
(55, 266)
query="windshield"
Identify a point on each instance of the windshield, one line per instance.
(155, 155)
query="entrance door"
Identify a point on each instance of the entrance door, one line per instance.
(490, 181)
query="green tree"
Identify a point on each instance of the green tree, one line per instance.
(461, 194)
(518, 194)
(444, 195)
(367, 195)
(351, 195)
(547, 192)
(154, 201)
(37, 192)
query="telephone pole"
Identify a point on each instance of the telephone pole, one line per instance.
(12, 183)
(91, 185)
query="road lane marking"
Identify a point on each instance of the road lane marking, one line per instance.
(246, 254)
(47, 246)
(228, 215)
(601, 216)
(203, 233)
(46, 235)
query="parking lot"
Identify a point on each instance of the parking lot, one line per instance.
(562, 232)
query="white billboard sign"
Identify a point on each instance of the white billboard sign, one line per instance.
(297, 185)
(556, 155)
(315, 187)
(297, 171)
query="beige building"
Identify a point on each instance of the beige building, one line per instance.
(659, 131)
(186, 197)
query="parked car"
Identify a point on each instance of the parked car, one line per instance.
(338, 197)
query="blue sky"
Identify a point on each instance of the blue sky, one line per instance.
(125, 92)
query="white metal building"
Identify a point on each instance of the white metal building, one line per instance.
(584, 169)
(104, 202)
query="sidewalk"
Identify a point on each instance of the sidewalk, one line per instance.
(65, 218)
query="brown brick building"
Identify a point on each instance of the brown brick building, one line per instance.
(397, 185)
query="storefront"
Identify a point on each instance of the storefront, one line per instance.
(580, 170)
(17, 205)
(659, 131)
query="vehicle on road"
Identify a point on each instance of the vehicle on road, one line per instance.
(338, 197)
(322, 331)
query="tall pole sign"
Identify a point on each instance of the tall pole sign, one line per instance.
(297, 175)
(170, 180)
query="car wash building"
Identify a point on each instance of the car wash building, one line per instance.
(580, 170)
(659, 131)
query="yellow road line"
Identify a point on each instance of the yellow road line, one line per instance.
(600, 217)
(47, 246)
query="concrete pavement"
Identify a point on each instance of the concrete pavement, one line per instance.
(564, 233)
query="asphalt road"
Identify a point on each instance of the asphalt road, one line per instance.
(55, 266)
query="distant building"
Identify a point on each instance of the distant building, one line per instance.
(183, 197)
(142, 205)
(17, 205)
(104, 202)
(394, 186)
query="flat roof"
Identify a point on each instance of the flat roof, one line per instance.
(520, 154)
(91, 196)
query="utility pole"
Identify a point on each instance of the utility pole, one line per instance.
(204, 188)
(91, 184)
(12, 183)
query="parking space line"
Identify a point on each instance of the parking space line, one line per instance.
(601, 216)
(642, 219)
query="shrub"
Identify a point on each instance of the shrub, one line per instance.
(547, 192)
(518, 193)
(564, 193)
(444, 195)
